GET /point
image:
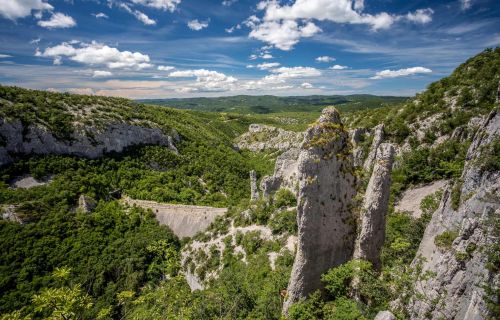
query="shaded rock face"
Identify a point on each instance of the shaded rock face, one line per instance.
(460, 269)
(372, 233)
(378, 137)
(326, 187)
(254, 192)
(261, 137)
(87, 142)
(285, 173)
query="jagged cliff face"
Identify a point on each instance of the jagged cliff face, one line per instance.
(326, 186)
(86, 142)
(460, 267)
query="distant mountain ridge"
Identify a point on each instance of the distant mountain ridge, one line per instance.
(272, 104)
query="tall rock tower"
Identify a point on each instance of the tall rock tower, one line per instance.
(326, 186)
(372, 234)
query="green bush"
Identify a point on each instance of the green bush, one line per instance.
(284, 221)
(445, 239)
(251, 242)
(456, 194)
(343, 309)
(284, 198)
(430, 203)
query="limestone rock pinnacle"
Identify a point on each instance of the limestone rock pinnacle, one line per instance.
(372, 233)
(326, 187)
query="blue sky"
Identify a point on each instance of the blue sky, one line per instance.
(185, 48)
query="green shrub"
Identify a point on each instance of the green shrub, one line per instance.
(284, 221)
(490, 156)
(456, 194)
(430, 203)
(343, 309)
(445, 239)
(309, 309)
(284, 198)
(462, 256)
(251, 242)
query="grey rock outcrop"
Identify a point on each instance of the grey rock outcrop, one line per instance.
(356, 137)
(254, 192)
(183, 220)
(9, 213)
(262, 137)
(376, 201)
(384, 315)
(378, 137)
(285, 173)
(460, 269)
(326, 187)
(86, 204)
(85, 142)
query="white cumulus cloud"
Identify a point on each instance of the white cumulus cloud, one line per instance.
(206, 80)
(197, 25)
(15, 9)
(325, 59)
(101, 74)
(165, 68)
(268, 65)
(421, 16)
(95, 53)
(338, 67)
(283, 34)
(141, 16)
(100, 15)
(165, 5)
(400, 73)
(306, 85)
(4, 56)
(284, 25)
(58, 20)
(228, 3)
